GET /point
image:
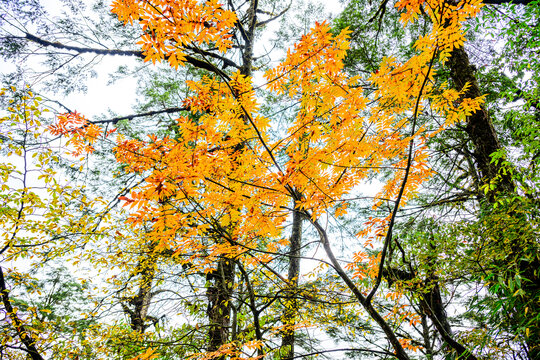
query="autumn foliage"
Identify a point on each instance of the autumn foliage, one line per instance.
(224, 185)
(224, 174)
(228, 173)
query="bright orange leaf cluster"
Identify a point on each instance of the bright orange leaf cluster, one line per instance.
(168, 26)
(82, 134)
(223, 170)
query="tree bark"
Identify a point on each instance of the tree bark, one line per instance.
(432, 306)
(198, 63)
(222, 280)
(483, 136)
(138, 314)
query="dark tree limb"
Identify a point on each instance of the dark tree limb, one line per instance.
(83, 50)
(400, 352)
(410, 154)
(226, 62)
(133, 116)
(253, 307)
(431, 304)
(86, 50)
(274, 17)
(500, 2)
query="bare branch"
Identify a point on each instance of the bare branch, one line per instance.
(86, 50)
(133, 116)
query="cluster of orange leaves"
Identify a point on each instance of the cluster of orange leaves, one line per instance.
(170, 25)
(81, 133)
(223, 166)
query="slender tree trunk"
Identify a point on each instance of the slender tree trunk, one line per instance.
(291, 304)
(432, 306)
(219, 295)
(26, 336)
(222, 280)
(427, 338)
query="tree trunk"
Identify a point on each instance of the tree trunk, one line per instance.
(432, 306)
(27, 338)
(291, 304)
(219, 295)
(138, 312)
(483, 136)
(479, 126)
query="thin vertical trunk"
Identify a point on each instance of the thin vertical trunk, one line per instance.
(291, 304)
(432, 305)
(219, 295)
(26, 336)
(221, 287)
(427, 338)
(431, 302)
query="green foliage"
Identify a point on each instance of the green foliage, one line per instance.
(53, 304)
(508, 250)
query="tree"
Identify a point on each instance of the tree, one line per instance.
(467, 177)
(216, 188)
(38, 220)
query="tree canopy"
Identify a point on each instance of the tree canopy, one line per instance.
(366, 189)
